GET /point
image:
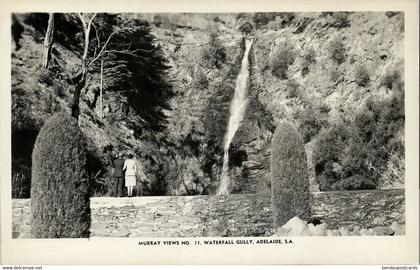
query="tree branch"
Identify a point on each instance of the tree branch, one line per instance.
(101, 52)
(97, 39)
(82, 19)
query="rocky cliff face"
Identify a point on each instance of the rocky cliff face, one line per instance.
(199, 121)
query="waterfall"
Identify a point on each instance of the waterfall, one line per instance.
(237, 111)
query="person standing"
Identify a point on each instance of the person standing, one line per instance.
(118, 165)
(130, 174)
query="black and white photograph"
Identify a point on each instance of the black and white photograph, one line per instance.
(181, 125)
(214, 126)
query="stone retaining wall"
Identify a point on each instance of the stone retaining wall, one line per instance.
(231, 215)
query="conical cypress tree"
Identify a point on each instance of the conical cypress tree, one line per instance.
(289, 176)
(60, 185)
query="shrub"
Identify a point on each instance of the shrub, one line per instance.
(246, 28)
(281, 60)
(362, 77)
(390, 14)
(201, 81)
(214, 53)
(20, 186)
(309, 124)
(308, 60)
(323, 108)
(58, 90)
(335, 75)
(217, 19)
(356, 154)
(343, 160)
(392, 79)
(45, 77)
(289, 176)
(292, 89)
(326, 153)
(60, 184)
(50, 103)
(339, 20)
(262, 18)
(286, 17)
(337, 50)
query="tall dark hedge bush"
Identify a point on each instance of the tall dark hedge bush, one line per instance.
(60, 185)
(289, 176)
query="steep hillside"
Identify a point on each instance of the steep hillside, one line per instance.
(342, 63)
(337, 76)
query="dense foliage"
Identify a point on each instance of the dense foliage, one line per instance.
(337, 50)
(355, 153)
(308, 59)
(214, 53)
(361, 76)
(246, 28)
(310, 122)
(282, 58)
(337, 19)
(135, 84)
(167, 87)
(289, 176)
(262, 18)
(60, 182)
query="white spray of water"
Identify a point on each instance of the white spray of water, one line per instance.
(237, 111)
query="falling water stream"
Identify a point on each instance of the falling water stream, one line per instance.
(237, 111)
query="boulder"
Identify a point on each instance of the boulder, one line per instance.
(344, 232)
(381, 230)
(319, 230)
(333, 233)
(282, 232)
(397, 228)
(364, 232)
(296, 226)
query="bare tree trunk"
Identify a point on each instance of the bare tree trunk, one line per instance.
(75, 108)
(48, 41)
(100, 89)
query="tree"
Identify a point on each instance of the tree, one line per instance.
(60, 185)
(136, 69)
(262, 18)
(87, 24)
(290, 195)
(101, 90)
(214, 53)
(337, 50)
(103, 48)
(246, 28)
(48, 41)
(281, 59)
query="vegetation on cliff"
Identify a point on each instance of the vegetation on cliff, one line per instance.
(162, 86)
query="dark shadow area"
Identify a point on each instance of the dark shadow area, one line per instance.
(17, 30)
(140, 74)
(22, 145)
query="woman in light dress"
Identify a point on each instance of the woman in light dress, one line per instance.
(130, 174)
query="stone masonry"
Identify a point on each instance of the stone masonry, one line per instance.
(231, 215)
